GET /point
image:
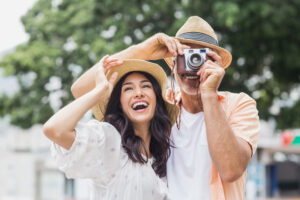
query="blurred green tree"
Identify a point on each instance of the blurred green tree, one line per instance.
(69, 36)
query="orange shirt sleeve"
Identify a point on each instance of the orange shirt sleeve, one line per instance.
(244, 118)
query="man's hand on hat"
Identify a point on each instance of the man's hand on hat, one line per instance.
(161, 46)
(211, 74)
(102, 83)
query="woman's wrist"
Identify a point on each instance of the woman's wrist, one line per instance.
(98, 94)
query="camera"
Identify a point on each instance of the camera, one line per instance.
(193, 60)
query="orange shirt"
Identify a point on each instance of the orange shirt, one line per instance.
(243, 117)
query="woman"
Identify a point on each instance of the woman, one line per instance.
(125, 152)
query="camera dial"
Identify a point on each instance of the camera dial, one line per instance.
(195, 60)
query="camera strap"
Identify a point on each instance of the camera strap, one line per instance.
(178, 118)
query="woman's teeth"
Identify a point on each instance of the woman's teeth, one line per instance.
(139, 105)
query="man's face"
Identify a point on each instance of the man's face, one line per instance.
(188, 83)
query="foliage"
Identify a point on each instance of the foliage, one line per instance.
(69, 36)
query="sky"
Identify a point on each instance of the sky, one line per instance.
(12, 31)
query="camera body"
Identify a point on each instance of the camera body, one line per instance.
(193, 60)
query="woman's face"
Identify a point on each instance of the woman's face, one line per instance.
(138, 99)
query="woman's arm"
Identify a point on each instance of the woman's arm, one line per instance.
(156, 47)
(60, 127)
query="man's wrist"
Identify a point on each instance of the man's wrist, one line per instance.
(209, 95)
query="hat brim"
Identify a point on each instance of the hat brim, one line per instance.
(225, 54)
(132, 65)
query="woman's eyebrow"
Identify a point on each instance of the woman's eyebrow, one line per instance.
(127, 83)
(143, 81)
(130, 83)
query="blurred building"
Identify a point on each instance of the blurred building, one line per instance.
(274, 171)
(27, 170)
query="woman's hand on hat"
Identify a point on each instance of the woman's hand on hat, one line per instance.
(211, 74)
(102, 83)
(110, 62)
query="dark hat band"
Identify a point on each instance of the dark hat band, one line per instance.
(197, 36)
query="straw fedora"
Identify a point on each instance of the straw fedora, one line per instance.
(135, 65)
(197, 31)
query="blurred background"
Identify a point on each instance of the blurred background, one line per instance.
(45, 45)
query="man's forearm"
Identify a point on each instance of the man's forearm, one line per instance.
(229, 154)
(132, 52)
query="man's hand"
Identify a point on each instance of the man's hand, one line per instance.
(161, 46)
(211, 74)
(103, 66)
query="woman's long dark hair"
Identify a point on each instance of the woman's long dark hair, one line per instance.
(160, 128)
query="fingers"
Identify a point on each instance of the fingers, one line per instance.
(112, 65)
(172, 44)
(172, 47)
(205, 74)
(216, 58)
(166, 40)
(208, 69)
(113, 78)
(109, 62)
(104, 58)
(175, 47)
(184, 46)
(180, 47)
(207, 65)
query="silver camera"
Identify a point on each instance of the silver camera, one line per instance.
(194, 58)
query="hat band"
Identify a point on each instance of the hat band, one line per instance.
(201, 37)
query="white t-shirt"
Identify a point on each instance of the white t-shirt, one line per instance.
(189, 165)
(97, 154)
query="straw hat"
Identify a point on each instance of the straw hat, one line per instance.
(197, 31)
(131, 65)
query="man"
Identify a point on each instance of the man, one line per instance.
(217, 131)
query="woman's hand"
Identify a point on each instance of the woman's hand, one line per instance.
(103, 66)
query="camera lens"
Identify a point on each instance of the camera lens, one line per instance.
(195, 61)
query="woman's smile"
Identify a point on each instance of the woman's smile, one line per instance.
(140, 106)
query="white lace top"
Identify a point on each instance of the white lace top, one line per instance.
(97, 154)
